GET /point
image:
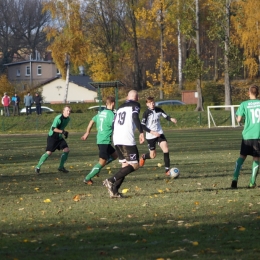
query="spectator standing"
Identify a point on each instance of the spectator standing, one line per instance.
(125, 122)
(15, 103)
(38, 102)
(6, 102)
(28, 101)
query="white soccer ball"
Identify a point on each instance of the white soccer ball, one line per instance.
(174, 173)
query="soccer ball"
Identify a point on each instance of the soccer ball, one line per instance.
(174, 173)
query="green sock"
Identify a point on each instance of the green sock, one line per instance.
(63, 159)
(239, 163)
(95, 170)
(255, 167)
(42, 160)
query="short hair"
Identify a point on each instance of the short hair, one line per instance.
(254, 90)
(110, 99)
(149, 99)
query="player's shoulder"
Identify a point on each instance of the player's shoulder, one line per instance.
(130, 104)
(158, 109)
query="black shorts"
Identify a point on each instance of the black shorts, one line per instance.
(127, 153)
(250, 147)
(152, 142)
(105, 150)
(55, 144)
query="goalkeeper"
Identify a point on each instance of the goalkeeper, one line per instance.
(250, 145)
(56, 141)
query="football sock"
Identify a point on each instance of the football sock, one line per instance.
(255, 167)
(63, 159)
(122, 173)
(43, 158)
(95, 170)
(117, 185)
(146, 156)
(166, 158)
(238, 165)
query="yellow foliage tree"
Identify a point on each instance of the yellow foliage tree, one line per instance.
(247, 26)
(68, 38)
(169, 81)
(6, 86)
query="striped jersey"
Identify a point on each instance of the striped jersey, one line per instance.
(151, 119)
(124, 125)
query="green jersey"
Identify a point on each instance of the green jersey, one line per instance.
(250, 110)
(104, 122)
(59, 122)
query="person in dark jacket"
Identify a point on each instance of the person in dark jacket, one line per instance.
(38, 102)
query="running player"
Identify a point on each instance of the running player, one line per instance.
(55, 140)
(104, 121)
(126, 120)
(154, 133)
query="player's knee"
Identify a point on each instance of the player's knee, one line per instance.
(66, 150)
(135, 166)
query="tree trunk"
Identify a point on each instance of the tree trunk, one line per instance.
(226, 58)
(198, 81)
(179, 57)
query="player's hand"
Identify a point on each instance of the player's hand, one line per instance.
(141, 138)
(65, 133)
(174, 120)
(84, 137)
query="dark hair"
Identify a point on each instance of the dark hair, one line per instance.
(149, 99)
(254, 90)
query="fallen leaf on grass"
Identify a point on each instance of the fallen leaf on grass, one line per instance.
(125, 190)
(108, 168)
(76, 198)
(241, 228)
(179, 250)
(160, 191)
(47, 201)
(115, 247)
(195, 243)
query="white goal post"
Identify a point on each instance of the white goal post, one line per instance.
(233, 122)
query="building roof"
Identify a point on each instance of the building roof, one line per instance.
(82, 81)
(28, 61)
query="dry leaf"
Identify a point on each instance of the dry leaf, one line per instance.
(108, 168)
(47, 201)
(160, 191)
(159, 165)
(125, 190)
(195, 243)
(76, 198)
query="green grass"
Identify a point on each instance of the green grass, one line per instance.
(196, 216)
(79, 121)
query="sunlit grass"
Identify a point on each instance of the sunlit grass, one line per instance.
(56, 216)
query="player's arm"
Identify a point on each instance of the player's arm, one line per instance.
(167, 117)
(90, 125)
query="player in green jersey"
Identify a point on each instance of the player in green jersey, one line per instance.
(56, 141)
(104, 124)
(250, 111)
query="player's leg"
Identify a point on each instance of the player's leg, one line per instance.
(166, 156)
(64, 156)
(129, 157)
(244, 151)
(255, 167)
(43, 158)
(112, 154)
(152, 151)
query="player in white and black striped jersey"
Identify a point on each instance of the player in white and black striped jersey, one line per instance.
(125, 122)
(154, 133)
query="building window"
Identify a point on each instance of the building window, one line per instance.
(18, 74)
(28, 71)
(39, 70)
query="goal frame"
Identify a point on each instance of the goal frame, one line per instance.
(234, 122)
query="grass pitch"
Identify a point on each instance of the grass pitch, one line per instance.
(197, 216)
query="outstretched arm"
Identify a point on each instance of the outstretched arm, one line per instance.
(85, 136)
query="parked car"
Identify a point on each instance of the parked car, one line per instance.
(169, 102)
(33, 109)
(96, 108)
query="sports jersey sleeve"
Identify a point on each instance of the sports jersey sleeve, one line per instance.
(144, 121)
(164, 115)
